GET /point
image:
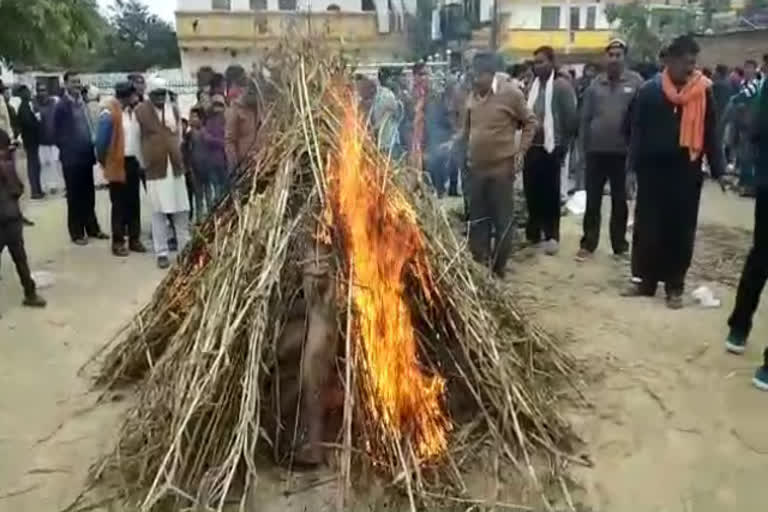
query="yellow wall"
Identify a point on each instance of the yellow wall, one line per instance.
(526, 41)
(248, 29)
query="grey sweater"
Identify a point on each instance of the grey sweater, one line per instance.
(604, 111)
(564, 113)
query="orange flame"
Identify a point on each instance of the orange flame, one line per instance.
(383, 243)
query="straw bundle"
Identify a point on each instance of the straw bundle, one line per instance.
(204, 353)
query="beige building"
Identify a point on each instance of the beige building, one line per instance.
(218, 33)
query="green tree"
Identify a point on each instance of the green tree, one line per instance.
(137, 40)
(43, 32)
(646, 30)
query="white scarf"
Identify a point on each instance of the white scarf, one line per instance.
(549, 120)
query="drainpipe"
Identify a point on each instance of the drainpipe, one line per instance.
(495, 26)
(568, 26)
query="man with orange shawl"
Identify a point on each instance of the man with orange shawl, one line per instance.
(674, 126)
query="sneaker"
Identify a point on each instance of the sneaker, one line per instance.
(583, 255)
(163, 262)
(551, 247)
(760, 379)
(675, 302)
(34, 301)
(736, 343)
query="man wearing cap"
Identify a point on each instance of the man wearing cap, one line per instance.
(166, 186)
(495, 111)
(605, 107)
(118, 150)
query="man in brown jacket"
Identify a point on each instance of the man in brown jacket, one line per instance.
(242, 125)
(166, 186)
(495, 111)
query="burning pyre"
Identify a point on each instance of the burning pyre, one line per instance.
(324, 242)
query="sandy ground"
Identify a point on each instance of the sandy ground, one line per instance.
(674, 426)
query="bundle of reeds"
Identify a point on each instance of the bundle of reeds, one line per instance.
(204, 352)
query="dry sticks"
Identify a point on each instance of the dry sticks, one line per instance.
(203, 353)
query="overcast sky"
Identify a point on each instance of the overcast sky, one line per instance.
(163, 8)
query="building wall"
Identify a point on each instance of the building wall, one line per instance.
(734, 48)
(273, 5)
(524, 30)
(218, 39)
(527, 15)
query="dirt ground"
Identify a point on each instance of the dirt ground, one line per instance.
(674, 423)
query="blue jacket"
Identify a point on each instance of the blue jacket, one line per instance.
(73, 134)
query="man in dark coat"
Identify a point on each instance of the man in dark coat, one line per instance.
(755, 273)
(30, 129)
(73, 137)
(674, 126)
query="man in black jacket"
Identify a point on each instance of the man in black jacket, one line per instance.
(755, 273)
(29, 127)
(668, 143)
(11, 226)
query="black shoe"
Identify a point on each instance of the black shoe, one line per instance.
(675, 302)
(120, 250)
(638, 290)
(163, 262)
(33, 300)
(137, 246)
(80, 241)
(101, 236)
(27, 222)
(173, 244)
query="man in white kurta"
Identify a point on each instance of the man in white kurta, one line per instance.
(166, 186)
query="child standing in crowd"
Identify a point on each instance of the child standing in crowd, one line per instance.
(11, 226)
(213, 136)
(195, 160)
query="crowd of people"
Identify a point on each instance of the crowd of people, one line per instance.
(663, 128)
(139, 139)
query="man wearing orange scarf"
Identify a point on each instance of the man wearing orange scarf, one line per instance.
(674, 126)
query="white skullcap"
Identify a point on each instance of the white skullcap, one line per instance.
(155, 83)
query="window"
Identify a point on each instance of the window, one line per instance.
(550, 18)
(591, 17)
(222, 5)
(258, 5)
(286, 5)
(368, 5)
(575, 18)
